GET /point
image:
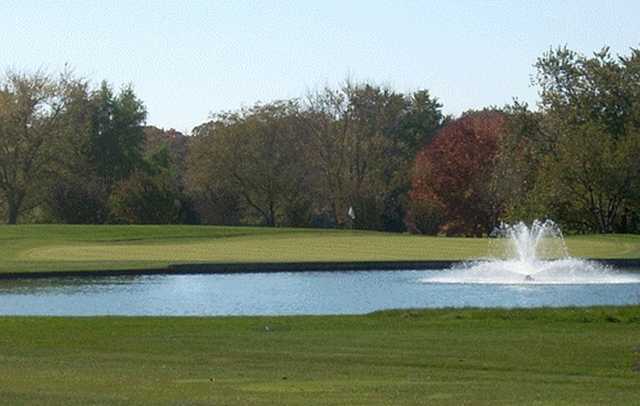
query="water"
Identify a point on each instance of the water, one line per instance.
(529, 267)
(543, 240)
(531, 255)
(290, 293)
(513, 272)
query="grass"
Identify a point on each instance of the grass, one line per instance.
(65, 247)
(470, 356)
(544, 356)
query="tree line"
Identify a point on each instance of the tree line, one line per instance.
(359, 156)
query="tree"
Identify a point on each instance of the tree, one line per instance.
(154, 193)
(420, 122)
(590, 175)
(31, 107)
(364, 137)
(76, 194)
(103, 145)
(214, 198)
(143, 198)
(258, 154)
(418, 125)
(375, 161)
(116, 140)
(168, 149)
(527, 140)
(453, 179)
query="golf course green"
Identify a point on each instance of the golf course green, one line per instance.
(42, 248)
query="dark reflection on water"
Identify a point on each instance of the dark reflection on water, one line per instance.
(285, 293)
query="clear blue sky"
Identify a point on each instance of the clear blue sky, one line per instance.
(189, 58)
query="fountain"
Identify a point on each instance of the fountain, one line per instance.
(531, 255)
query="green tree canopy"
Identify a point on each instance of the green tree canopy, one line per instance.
(31, 127)
(577, 158)
(116, 140)
(259, 154)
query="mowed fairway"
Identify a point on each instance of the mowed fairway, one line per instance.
(453, 357)
(60, 247)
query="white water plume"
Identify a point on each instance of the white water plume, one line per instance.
(531, 255)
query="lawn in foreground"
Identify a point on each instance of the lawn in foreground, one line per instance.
(65, 247)
(562, 356)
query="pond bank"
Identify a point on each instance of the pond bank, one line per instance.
(273, 267)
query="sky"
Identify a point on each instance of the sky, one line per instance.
(188, 59)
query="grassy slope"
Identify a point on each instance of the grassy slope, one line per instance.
(562, 356)
(56, 247)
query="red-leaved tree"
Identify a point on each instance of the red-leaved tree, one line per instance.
(453, 187)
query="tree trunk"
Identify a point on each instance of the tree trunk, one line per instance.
(271, 220)
(12, 213)
(14, 202)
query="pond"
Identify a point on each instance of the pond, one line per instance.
(290, 293)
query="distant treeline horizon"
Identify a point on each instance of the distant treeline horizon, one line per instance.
(361, 156)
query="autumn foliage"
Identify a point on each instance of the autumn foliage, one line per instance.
(453, 186)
